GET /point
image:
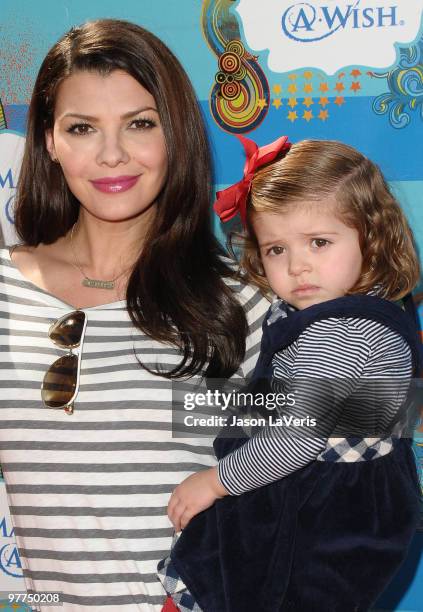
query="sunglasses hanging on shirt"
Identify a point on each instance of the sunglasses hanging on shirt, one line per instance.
(61, 381)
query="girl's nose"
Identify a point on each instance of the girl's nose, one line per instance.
(298, 263)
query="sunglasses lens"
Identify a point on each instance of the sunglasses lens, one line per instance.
(60, 382)
(67, 331)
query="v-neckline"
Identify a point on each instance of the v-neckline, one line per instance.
(56, 301)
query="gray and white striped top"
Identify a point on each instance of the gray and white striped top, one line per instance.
(88, 492)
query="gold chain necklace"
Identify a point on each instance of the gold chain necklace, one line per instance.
(92, 283)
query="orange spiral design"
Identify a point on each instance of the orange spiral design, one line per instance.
(230, 91)
(235, 46)
(229, 62)
(241, 73)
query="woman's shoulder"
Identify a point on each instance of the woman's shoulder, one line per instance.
(249, 295)
(6, 264)
(11, 281)
(25, 270)
(4, 255)
(20, 254)
(17, 269)
(20, 262)
(255, 306)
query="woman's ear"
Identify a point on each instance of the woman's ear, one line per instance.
(50, 145)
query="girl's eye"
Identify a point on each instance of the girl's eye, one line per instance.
(275, 250)
(80, 129)
(319, 242)
(142, 124)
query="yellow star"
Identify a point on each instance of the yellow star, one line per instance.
(339, 87)
(323, 101)
(323, 115)
(308, 74)
(308, 114)
(292, 116)
(323, 87)
(277, 88)
(292, 77)
(308, 87)
(277, 103)
(308, 102)
(261, 103)
(292, 102)
(339, 100)
(292, 88)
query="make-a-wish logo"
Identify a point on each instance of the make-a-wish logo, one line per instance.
(7, 181)
(11, 152)
(10, 562)
(329, 34)
(307, 23)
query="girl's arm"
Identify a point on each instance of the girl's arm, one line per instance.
(328, 362)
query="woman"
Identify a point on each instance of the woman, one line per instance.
(120, 280)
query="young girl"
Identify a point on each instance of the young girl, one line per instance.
(322, 232)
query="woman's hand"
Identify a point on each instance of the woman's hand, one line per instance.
(196, 493)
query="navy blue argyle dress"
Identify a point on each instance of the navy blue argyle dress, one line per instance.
(328, 537)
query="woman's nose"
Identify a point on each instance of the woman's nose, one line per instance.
(112, 151)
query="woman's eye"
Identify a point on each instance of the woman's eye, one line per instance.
(319, 242)
(275, 250)
(142, 124)
(80, 129)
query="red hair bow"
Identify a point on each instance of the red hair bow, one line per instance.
(232, 200)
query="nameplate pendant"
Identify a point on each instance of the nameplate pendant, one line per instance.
(98, 284)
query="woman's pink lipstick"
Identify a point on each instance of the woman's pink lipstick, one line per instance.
(115, 184)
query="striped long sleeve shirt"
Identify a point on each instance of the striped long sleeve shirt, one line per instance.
(341, 372)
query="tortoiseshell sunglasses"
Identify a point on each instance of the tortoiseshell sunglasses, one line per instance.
(61, 381)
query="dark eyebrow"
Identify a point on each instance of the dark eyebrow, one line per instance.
(125, 116)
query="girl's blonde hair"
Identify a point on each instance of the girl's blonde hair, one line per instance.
(314, 170)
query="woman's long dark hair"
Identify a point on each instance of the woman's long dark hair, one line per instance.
(176, 292)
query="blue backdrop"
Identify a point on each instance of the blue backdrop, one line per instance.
(349, 71)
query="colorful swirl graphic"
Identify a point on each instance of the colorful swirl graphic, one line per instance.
(405, 84)
(3, 124)
(239, 99)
